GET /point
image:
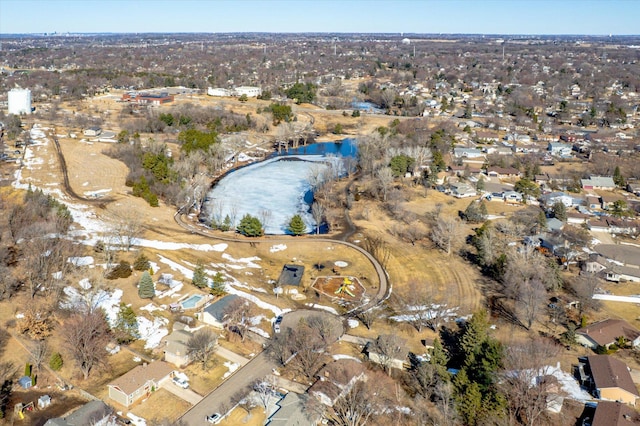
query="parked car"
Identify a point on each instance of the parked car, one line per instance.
(181, 382)
(276, 325)
(214, 418)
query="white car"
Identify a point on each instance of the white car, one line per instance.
(276, 325)
(214, 418)
(181, 382)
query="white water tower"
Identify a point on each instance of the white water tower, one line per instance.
(19, 101)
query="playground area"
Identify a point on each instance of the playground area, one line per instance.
(339, 287)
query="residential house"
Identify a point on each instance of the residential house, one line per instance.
(593, 202)
(176, 350)
(541, 179)
(613, 225)
(504, 172)
(92, 131)
(610, 413)
(401, 363)
(147, 98)
(608, 200)
(214, 314)
(512, 197)
(577, 218)
(291, 412)
(550, 198)
(336, 379)
(462, 190)
(487, 136)
(459, 152)
(594, 264)
(219, 92)
(249, 91)
(95, 413)
(634, 188)
(606, 332)
(139, 382)
(559, 149)
(498, 150)
(554, 224)
(598, 182)
(611, 380)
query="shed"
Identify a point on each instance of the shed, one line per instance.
(44, 401)
(25, 382)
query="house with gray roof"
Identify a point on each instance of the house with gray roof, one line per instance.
(291, 412)
(95, 413)
(598, 182)
(139, 382)
(176, 350)
(214, 313)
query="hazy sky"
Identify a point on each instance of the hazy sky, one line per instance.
(389, 16)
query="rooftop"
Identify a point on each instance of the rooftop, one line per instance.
(137, 377)
(607, 331)
(609, 372)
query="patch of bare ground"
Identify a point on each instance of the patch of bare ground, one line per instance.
(239, 416)
(420, 262)
(202, 381)
(161, 405)
(62, 402)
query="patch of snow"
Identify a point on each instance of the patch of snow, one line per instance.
(20, 315)
(260, 331)
(109, 302)
(263, 305)
(137, 421)
(342, 356)
(249, 261)
(341, 264)
(231, 366)
(165, 245)
(85, 284)
(353, 323)
(81, 261)
(152, 331)
(150, 307)
(322, 307)
(172, 292)
(278, 247)
(188, 273)
(425, 313)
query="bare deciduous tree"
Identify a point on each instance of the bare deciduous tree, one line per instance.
(387, 347)
(237, 316)
(523, 379)
(87, 335)
(530, 303)
(265, 389)
(447, 233)
(202, 345)
(317, 211)
(126, 226)
(384, 177)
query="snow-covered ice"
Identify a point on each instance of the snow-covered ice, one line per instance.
(322, 307)
(277, 185)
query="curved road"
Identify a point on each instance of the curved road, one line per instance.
(383, 286)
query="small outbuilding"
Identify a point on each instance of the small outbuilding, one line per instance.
(44, 401)
(291, 275)
(25, 382)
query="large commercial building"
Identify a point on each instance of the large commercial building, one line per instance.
(19, 101)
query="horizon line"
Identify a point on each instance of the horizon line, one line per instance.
(401, 33)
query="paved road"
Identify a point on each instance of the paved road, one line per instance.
(383, 287)
(257, 368)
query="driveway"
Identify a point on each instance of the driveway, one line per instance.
(255, 369)
(187, 394)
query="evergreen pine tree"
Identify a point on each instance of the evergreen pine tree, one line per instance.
(126, 328)
(217, 285)
(297, 226)
(146, 289)
(618, 179)
(200, 278)
(141, 263)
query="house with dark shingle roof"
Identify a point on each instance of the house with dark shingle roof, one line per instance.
(92, 413)
(139, 382)
(214, 313)
(611, 379)
(609, 413)
(291, 412)
(604, 333)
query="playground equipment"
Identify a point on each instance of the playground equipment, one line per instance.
(20, 408)
(344, 287)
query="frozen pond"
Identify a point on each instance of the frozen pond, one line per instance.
(276, 189)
